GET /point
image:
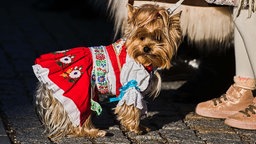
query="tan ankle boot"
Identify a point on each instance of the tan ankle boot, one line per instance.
(238, 96)
(244, 119)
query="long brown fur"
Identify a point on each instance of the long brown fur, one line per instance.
(152, 38)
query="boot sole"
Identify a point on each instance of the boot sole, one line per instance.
(215, 114)
(240, 124)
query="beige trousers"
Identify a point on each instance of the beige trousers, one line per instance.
(245, 44)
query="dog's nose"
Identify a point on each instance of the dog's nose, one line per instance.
(146, 49)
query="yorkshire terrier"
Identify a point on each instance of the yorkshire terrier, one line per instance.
(71, 80)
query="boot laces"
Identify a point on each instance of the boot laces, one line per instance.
(217, 101)
(251, 109)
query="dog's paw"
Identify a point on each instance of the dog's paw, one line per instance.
(101, 133)
(144, 128)
(94, 133)
(141, 130)
(138, 130)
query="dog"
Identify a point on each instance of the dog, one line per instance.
(71, 81)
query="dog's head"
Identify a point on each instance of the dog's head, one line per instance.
(153, 36)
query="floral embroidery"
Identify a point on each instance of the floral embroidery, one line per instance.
(65, 60)
(72, 74)
(66, 73)
(75, 74)
(100, 69)
(100, 56)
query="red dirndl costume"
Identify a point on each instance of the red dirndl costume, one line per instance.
(76, 75)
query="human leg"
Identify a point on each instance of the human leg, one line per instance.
(246, 118)
(239, 95)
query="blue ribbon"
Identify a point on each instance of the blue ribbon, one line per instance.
(124, 88)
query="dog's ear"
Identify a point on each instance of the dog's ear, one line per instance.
(131, 2)
(175, 29)
(175, 20)
(164, 16)
(131, 11)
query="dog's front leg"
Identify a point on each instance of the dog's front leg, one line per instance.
(86, 130)
(129, 117)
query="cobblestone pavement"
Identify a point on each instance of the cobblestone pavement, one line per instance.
(29, 28)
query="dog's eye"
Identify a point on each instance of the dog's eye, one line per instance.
(158, 38)
(142, 38)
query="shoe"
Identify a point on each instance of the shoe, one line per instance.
(235, 99)
(244, 119)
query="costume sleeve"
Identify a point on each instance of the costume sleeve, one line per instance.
(134, 80)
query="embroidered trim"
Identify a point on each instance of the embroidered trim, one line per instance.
(100, 69)
(118, 46)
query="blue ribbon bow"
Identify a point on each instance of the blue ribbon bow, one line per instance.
(124, 88)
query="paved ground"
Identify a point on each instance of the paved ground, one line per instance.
(29, 28)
